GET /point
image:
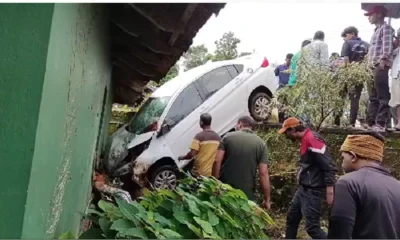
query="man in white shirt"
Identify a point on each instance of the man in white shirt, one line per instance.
(395, 85)
(317, 51)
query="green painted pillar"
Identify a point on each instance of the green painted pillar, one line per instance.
(24, 31)
(55, 104)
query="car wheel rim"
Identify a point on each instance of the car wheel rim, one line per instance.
(165, 180)
(261, 107)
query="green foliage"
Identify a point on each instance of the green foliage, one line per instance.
(320, 90)
(173, 72)
(195, 56)
(67, 235)
(226, 47)
(197, 208)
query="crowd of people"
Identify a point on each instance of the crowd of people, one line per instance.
(382, 54)
(363, 201)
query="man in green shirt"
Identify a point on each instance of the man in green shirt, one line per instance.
(293, 64)
(240, 153)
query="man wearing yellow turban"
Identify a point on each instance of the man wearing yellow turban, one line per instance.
(366, 199)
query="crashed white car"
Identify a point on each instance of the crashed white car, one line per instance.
(165, 125)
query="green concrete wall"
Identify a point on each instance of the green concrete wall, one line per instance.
(24, 35)
(57, 101)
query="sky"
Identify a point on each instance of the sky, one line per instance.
(277, 28)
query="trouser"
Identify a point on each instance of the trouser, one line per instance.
(339, 113)
(393, 113)
(379, 96)
(354, 96)
(307, 203)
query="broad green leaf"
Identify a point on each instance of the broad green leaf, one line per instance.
(167, 204)
(94, 212)
(136, 232)
(221, 230)
(169, 234)
(67, 235)
(204, 225)
(131, 210)
(181, 215)
(239, 193)
(122, 224)
(258, 221)
(193, 207)
(208, 204)
(195, 229)
(109, 208)
(212, 218)
(104, 225)
(159, 218)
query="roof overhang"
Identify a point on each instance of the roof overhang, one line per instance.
(148, 39)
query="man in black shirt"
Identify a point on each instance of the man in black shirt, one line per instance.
(316, 177)
(366, 200)
(353, 50)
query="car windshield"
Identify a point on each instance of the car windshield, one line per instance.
(149, 113)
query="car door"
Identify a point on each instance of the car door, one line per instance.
(225, 96)
(184, 116)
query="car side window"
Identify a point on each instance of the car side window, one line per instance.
(232, 71)
(186, 102)
(239, 68)
(215, 80)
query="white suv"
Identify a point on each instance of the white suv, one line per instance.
(165, 125)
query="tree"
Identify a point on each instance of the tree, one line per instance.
(226, 47)
(173, 72)
(196, 56)
(319, 92)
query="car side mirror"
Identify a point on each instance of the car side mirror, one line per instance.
(165, 128)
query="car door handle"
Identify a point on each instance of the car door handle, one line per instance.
(203, 109)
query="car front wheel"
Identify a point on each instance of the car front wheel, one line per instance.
(164, 177)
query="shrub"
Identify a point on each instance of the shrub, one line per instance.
(197, 208)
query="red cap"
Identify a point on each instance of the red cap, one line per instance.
(377, 9)
(291, 122)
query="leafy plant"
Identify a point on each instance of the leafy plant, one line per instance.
(197, 208)
(321, 91)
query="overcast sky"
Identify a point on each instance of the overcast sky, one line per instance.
(275, 29)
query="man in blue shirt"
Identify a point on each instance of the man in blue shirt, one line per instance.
(353, 50)
(282, 71)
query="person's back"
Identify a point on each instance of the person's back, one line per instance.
(375, 197)
(243, 152)
(294, 62)
(206, 145)
(317, 51)
(356, 49)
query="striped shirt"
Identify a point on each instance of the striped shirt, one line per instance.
(206, 144)
(381, 46)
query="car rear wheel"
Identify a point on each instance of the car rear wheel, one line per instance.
(259, 106)
(164, 177)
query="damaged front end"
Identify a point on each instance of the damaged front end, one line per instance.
(122, 149)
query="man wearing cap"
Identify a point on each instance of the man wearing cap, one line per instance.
(380, 57)
(316, 177)
(367, 197)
